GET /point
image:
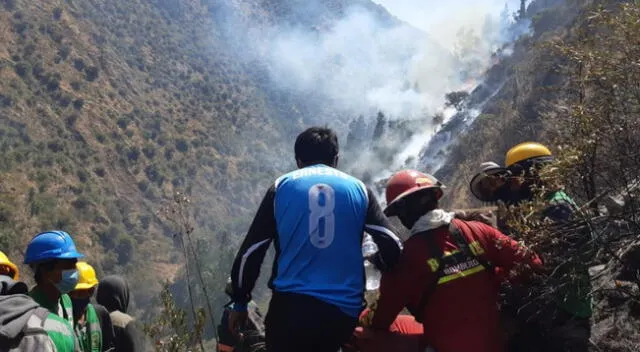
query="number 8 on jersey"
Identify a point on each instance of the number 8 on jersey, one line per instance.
(321, 206)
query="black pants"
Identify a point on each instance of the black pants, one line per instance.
(301, 323)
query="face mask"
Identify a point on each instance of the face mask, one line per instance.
(79, 305)
(68, 281)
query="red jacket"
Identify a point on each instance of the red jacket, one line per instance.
(462, 314)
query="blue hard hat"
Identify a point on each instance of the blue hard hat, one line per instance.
(51, 245)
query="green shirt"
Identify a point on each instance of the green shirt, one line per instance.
(59, 324)
(89, 334)
(574, 295)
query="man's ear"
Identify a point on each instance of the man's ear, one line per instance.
(335, 161)
(299, 163)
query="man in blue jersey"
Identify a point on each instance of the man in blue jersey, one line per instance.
(315, 216)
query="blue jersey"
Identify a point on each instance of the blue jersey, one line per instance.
(316, 217)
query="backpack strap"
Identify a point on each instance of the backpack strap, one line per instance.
(42, 314)
(436, 255)
(36, 322)
(435, 263)
(463, 243)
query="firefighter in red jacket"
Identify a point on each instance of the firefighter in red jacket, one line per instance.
(446, 274)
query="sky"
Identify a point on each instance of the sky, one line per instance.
(431, 15)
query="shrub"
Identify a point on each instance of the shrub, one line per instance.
(37, 70)
(113, 213)
(177, 181)
(23, 69)
(78, 104)
(6, 101)
(143, 185)
(63, 99)
(64, 52)
(153, 174)
(57, 13)
(20, 27)
(76, 85)
(145, 220)
(125, 249)
(123, 122)
(99, 171)
(168, 154)
(6, 214)
(133, 153)
(71, 120)
(91, 73)
(78, 64)
(53, 82)
(149, 151)
(60, 219)
(9, 5)
(42, 204)
(456, 99)
(80, 203)
(437, 119)
(173, 330)
(182, 145)
(109, 238)
(55, 146)
(101, 138)
(82, 176)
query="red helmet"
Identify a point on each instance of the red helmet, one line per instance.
(407, 182)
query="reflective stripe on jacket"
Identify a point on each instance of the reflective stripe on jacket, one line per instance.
(59, 325)
(462, 314)
(90, 334)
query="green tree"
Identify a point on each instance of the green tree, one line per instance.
(171, 330)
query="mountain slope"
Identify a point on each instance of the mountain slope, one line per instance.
(109, 108)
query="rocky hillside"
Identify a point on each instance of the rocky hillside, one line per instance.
(108, 108)
(571, 83)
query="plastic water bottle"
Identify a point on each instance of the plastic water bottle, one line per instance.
(369, 249)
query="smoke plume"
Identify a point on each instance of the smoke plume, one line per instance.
(357, 60)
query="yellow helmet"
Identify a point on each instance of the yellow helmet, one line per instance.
(12, 269)
(525, 151)
(86, 276)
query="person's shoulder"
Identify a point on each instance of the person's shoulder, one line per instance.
(337, 176)
(100, 309)
(66, 300)
(56, 318)
(474, 228)
(120, 319)
(283, 178)
(55, 323)
(328, 174)
(560, 197)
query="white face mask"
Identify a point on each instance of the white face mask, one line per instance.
(432, 220)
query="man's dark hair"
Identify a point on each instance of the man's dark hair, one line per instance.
(317, 145)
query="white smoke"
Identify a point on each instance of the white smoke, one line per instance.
(363, 63)
(359, 64)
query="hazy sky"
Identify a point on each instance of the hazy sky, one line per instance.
(429, 14)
